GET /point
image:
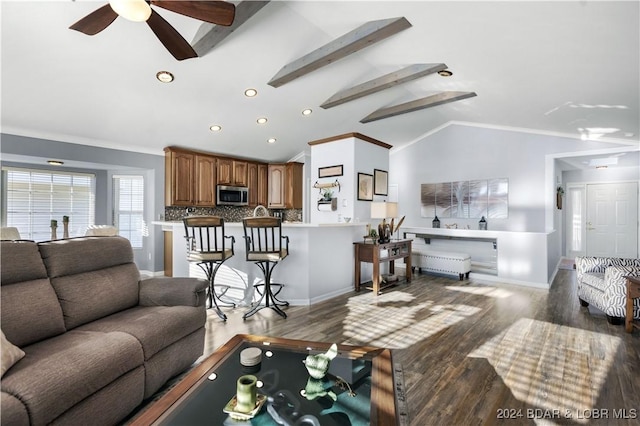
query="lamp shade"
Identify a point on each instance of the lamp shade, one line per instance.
(384, 210)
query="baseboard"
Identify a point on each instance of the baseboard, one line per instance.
(495, 279)
(314, 300)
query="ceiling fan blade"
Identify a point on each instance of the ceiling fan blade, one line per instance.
(172, 40)
(96, 21)
(215, 12)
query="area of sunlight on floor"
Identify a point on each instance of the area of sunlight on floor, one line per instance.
(498, 293)
(389, 320)
(551, 367)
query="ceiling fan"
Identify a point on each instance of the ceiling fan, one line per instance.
(215, 12)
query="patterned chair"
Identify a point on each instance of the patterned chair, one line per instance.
(601, 282)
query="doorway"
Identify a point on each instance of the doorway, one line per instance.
(602, 220)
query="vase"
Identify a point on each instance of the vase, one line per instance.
(246, 393)
(65, 229)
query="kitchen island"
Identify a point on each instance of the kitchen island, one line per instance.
(319, 265)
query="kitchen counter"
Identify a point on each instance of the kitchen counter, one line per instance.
(319, 265)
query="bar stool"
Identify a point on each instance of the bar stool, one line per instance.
(263, 239)
(206, 248)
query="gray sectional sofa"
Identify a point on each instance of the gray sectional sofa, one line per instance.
(97, 339)
(601, 282)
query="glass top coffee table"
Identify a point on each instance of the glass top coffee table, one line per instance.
(357, 390)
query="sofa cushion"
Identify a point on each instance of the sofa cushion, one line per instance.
(10, 354)
(58, 373)
(92, 276)
(21, 261)
(14, 412)
(594, 279)
(30, 310)
(84, 254)
(93, 295)
(155, 327)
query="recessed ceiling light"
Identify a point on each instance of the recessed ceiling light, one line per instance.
(445, 73)
(261, 120)
(164, 76)
(307, 111)
(271, 140)
(215, 128)
(55, 162)
(250, 93)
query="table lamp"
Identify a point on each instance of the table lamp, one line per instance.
(383, 210)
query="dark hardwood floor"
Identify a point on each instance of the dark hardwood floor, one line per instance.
(476, 353)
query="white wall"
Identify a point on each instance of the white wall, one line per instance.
(462, 152)
(356, 156)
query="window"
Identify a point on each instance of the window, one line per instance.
(35, 197)
(128, 202)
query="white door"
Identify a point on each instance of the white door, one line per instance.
(612, 219)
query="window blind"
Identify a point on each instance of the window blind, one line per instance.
(129, 208)
(35, 197)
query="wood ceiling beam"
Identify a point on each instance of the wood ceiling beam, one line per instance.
(412, 72)
(351, 42)
(209, 36)
(418, 104)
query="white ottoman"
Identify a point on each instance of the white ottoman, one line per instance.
(442, 262)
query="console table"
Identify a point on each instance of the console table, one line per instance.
(376, 253)
(633, 291)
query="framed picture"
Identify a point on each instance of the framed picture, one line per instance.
(365, 187)
(330, 171)
(380, 184)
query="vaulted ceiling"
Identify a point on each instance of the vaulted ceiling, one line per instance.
(566, 68)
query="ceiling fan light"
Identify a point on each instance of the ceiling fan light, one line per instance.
(133, 10)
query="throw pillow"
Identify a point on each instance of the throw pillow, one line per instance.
(10, 354)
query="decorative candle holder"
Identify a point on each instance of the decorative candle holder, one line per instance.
(65, 224)
(54, 228)
(246, 393)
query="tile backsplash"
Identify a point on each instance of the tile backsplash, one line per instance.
(229, 213)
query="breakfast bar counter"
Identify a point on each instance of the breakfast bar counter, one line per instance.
(319, 265)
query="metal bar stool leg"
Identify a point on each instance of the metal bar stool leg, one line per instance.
(267, 296)
(207, 267)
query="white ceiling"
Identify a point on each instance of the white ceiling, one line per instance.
(550, 67)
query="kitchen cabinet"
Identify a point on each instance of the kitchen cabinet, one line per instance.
(189, 179)
(285, 186)
(232, 172)
(179, 178)
(257, 177)
(205, 181)
(263, 184)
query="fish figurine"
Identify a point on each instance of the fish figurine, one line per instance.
(318, 365)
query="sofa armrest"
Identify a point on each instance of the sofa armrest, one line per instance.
(589, 264)
(615, 283)
(172, 292)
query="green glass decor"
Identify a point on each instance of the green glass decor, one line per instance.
(246, 393)
(318, 365)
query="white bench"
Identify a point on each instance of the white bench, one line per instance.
(442, 262)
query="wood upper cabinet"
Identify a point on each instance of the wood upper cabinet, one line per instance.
(257, 178)
(189, 179)
(263, 184)
(205, 181)
(179, 178)
(232, 172)
(276, 186)
(285, 186)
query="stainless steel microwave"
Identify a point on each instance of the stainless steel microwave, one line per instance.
(232, 195)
